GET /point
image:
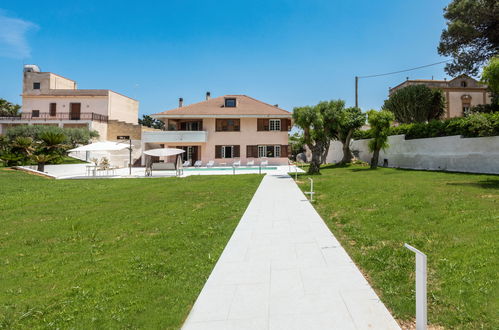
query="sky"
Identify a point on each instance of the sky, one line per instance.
(291, 53)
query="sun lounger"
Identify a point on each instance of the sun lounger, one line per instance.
(264, 163)
(250, 163)
(210, 163)
(236, 163)
(187, 163)
(198, 163)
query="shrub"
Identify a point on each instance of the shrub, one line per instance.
(475, 125)
(73, 136)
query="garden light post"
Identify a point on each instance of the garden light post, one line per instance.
(421, 302)
(311, 192)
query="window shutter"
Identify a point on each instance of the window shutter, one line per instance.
(237, 152)
(284, 151)
(259, 124)
(284, 125)
(252, 151)
(218, 151)
(266, 126)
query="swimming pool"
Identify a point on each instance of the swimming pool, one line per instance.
(256, 168)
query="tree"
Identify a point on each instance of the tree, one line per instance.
(41, 160)
(490, 76)
(151, 122)
(416, 104)
(22, 148)
(8, 109)
(317, 124)
(471, 36)
(53, 144)
(297, 144)
(346, 122)
(380, 122)
(74, 136)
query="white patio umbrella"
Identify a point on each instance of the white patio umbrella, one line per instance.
(163, 152)
(101, 146)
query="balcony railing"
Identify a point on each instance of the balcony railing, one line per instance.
(45, 116)
(175, 136)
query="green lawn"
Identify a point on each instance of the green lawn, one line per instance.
(127, 253)
(453, 218)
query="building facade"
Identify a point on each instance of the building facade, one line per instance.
(461, 93)
(225, 129)
(50, 99)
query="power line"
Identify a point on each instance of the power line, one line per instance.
(386, 74)
(416, 68)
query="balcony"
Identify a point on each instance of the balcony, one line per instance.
(175, 136)
(45, 116)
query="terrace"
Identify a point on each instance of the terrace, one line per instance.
(47, 116)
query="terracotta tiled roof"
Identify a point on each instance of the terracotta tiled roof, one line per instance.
(215, 106)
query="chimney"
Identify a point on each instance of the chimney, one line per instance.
(276, 105)
(180, 102)
(208, 96)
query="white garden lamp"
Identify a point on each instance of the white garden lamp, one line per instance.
(421, 302)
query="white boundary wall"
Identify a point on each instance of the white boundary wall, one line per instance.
(449, 153)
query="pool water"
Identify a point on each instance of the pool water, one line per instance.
(229, 168)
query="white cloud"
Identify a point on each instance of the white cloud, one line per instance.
(13, 42)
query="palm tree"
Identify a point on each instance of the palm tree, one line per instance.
(24, 146)
(53, 143)
(41, 160)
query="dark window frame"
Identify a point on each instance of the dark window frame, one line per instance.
(35, 113)
(230, 100)
(37, 85)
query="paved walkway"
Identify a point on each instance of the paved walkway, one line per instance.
(283, 269)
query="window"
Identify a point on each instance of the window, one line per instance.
(463, 83)
(53, 109)
(275, 125)
(262, 150)
(269, 151)
(227, 151)
(191, 126)
(35, 113)
(36, 85)
(264, 124)
(227, 125)
(230, 103)
(466, 110)
(277, 151)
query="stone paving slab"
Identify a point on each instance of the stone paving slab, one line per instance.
(284, 269)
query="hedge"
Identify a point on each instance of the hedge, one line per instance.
(475, 125)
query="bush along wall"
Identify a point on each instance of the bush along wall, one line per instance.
(475, 125)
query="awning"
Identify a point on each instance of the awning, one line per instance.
(101, 146)
(163, 152)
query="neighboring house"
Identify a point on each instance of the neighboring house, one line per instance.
(225, 129)
(49, 99)
(461, 93)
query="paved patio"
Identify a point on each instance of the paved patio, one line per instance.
(283, 269)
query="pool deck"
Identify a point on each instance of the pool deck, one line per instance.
(78, 171)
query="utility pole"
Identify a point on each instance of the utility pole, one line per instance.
(356, 91)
